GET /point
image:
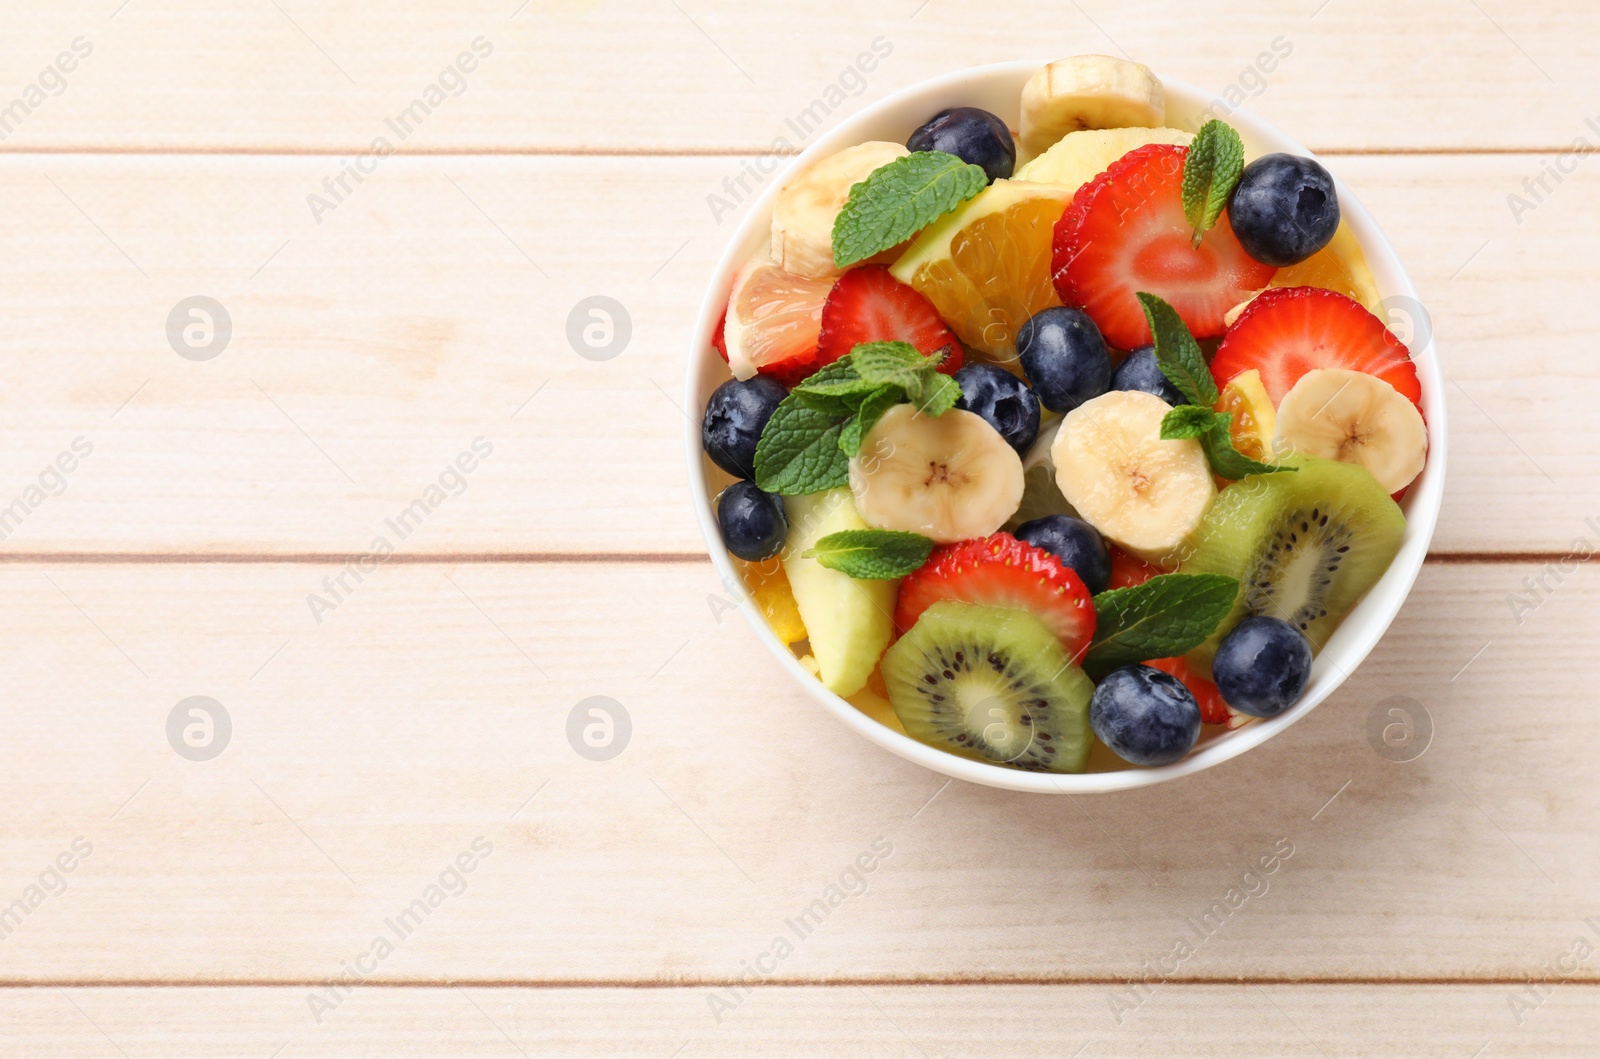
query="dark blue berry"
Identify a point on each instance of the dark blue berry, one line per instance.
(972, 135)
(1262, 666)
(1003, 400)
(753, 524)
(1145, 716)
(1141, 372)
(1284, 210)
(734, 419)
(1064, 357)
(1075, 543)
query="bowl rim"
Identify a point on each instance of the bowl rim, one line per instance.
(1351, 643)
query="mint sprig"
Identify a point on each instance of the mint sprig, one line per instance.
(1211, 170)
(807, 444)
(1166, 616)
(900, 199)
(1177, 353)
(1179, 357)
(872, 555)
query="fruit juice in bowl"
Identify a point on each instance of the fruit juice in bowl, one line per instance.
(1050, 426)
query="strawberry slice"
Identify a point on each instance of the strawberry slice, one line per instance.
(1125, 232)
(1128, 570)
(1213, 710)
(1289, 331)
(869, 305)
(1001, 571)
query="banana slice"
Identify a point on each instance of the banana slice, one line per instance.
(1089, 92)
(1144, 494)
(950, 477)
(803, 215)
(1353, 417)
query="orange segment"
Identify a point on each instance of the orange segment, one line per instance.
(1339, 266)
(769, 588)
(986, 265)
(1254, 418)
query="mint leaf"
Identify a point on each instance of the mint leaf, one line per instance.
(1167, 615)
(1211, 429)
(900, 199)
(891, 364)
(1211, 171)
(1188, 421)
(835, 380)
(898, 364)
(872, 555)
(1226, 460)
(867, 416)
(939, 394)
(799, 450)
(1177, 353)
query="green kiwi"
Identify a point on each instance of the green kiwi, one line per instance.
(1305, 546)
(990, 683)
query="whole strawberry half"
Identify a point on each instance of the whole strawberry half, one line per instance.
(869, 305)
(1125, 232)
(1289, 331)
(1001, 571)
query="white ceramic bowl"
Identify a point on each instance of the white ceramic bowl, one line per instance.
(997, 88)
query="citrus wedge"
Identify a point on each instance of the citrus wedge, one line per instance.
(1339, 266)
(1254, 418)
(986, 265)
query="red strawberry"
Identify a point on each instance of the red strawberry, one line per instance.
(718, 340)
(1289, 331)
(1212, 709)
(1127, 571)
(869, 305)
(1001, 571)
(1125, 232)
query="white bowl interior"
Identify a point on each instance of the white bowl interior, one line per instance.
(998, 88)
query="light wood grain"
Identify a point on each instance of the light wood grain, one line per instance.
(371, 750)
(721, 75)
(1214, 1022)
(431, 309)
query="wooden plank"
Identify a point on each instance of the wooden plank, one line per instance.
(633, 75)
(962, 1022)
(429, 712)
(431, 308)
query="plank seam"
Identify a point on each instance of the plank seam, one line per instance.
(1325, 981)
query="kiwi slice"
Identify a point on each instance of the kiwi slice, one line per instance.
(990, 683)
(1305, 546)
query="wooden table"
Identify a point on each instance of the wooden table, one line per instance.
(195, 525)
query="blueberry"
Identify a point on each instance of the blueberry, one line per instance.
(1141, 372)
(972, 135)
(753, 524)
(735, 416)
(1284, 210)
(1003, 400)
(1144, 715)
(1075, 543)
(1064, 357)
(1262, 666)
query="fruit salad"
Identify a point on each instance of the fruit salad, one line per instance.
(1061, 447)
